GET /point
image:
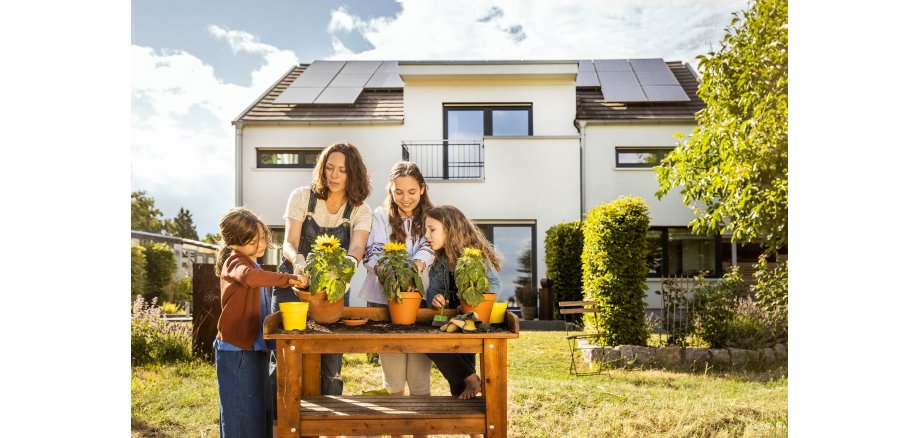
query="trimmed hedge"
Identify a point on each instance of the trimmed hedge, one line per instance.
(564, 243)
(614, 268)
(161, 265)
(138, 270)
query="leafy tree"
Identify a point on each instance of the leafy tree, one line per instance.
(144, 214)
(185, 227)
(733, 168)
(212, 238)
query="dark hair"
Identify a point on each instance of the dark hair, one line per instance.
(397, 233)
(358, 183)
(238, 226)
(462, 233)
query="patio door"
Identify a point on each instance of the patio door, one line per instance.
(516, 243)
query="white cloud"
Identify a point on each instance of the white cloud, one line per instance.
(182, 149)
(518, 29)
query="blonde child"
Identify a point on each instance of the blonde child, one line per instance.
(240, 352)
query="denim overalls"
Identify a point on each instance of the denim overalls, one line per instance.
(331, 364)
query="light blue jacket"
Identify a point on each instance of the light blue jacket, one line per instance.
(438, 278)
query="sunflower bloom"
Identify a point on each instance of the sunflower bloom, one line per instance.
(473, 252)
(327, 243)
(394, 246)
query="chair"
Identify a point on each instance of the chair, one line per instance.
(572, 308)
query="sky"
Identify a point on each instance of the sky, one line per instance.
(195, 66)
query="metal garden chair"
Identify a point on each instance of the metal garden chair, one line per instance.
(568, 309)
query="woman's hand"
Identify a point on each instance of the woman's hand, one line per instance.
(438, 302)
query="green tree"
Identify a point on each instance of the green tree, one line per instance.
(733, 168)
(185, 227)
(161, 267)
(145, 216)
(138, 270)
(212, 238)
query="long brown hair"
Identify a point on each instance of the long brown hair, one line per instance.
(397, 233)
(238, 226)
(358, 183)
(461, 233)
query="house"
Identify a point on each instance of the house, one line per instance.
(188, 251)
(519, 146)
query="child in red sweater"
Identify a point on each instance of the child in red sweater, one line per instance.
(240, 352)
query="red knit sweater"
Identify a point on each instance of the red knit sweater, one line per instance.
(240, 281)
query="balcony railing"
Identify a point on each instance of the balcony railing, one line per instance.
(447, 159)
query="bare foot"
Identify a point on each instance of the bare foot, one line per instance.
(473, 387)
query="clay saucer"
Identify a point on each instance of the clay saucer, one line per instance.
(352, 322)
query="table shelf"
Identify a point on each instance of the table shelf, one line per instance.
(378, 415)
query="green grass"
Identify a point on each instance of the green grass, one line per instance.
(544, 401)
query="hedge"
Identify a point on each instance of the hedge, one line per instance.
(138, 270)
(564, 243)
(161, 265)
(614, 268)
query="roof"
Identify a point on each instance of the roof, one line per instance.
(590, 104)
(144, 235)
(386, 105)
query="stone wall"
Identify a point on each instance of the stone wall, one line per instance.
(632, 355)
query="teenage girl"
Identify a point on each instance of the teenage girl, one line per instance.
(241, 355)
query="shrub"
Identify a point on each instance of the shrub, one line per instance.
(771, 285)
(751, 326)
(179, 290)
(161, 266)
(714, 305)
(153, 340)
(613, 269)
(564, 243)
(526, 296)
(138, 270)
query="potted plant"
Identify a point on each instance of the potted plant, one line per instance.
(401, 283)
(330, 277)
(527, 297)
(470, 276)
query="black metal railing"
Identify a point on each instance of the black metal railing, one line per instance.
(447, 159)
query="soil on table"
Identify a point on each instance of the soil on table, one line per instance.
(382, 327)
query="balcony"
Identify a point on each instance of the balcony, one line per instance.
(447, 159)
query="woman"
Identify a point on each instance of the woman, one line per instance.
(401, 219)
(332, 204)
(449, 231)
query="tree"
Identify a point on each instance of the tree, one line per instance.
(144, 214)
(185, 227)
(733, 168)
(212, 238)
(138, 270)
(161, 267)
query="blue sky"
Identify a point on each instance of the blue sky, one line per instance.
(197, 65)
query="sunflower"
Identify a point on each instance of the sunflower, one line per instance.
(393, 246)
(473, 252)
(327, 243)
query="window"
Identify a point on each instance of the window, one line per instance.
(679, 252)
(287, 158)
(272, 255)
(640, 157)
(516, 244)
(474, 123)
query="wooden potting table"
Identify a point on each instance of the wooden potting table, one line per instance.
(302, 411)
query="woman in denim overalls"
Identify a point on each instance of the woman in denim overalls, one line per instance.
(341, 184)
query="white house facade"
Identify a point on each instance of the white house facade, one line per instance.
(519, 146)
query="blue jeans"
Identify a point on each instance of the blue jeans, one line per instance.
(242, 383)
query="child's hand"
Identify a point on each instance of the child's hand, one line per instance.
(299, 281)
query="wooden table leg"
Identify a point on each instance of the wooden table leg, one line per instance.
(495, 391)
(290, 361)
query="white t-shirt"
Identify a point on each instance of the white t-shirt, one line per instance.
(300, 200)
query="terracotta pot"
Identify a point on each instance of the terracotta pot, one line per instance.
(483, 310)
(322, 311)
(406, 312)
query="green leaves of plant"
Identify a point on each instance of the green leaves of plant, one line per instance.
(397, 273)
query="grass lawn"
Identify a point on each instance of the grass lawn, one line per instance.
(544, 401)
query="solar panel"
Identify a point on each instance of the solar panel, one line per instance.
(354, 67)
(340, 95)
(585, 65)
(623, 94)
(617, 78)
(298, 95)
(384, 80)
(611, 65)
(648, 64)
(587, 79)
(325, 66)
(656, 77)
(350, 79)
(665, 93)
(308, 79)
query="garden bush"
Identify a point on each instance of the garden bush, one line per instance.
(153, 340)
(614, 268)
(751, 326)
(138, 270)
(564, 243)
(771, 285)
(714, 305)
(161, 266)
